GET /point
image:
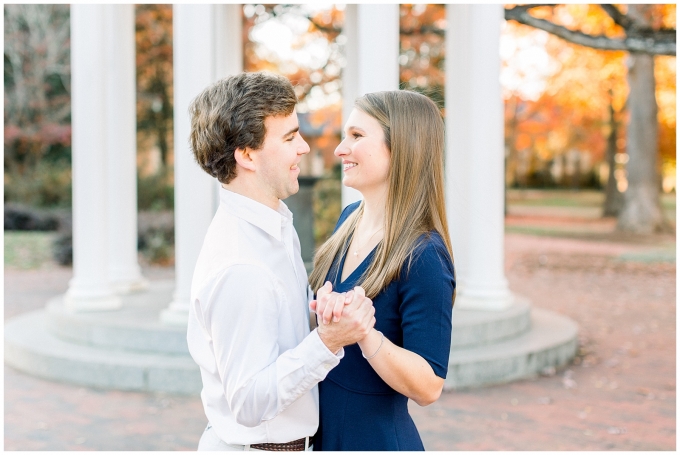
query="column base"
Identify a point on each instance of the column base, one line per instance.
(130, 286)
(491, 303)
(176, 314)
(84, 304)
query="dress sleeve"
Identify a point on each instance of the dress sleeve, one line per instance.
(426, 303)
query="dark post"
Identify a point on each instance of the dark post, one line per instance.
(303, 217)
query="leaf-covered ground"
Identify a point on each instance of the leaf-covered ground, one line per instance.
(618, 393)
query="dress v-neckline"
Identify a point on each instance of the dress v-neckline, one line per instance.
(344, 258)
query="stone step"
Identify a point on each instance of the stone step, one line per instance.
(134, 327)
(480, 328)
(551, 342)
(31, 348)
(137, 327)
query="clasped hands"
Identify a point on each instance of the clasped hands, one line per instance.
(344, 318)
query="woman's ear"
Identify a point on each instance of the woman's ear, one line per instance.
(244, 159)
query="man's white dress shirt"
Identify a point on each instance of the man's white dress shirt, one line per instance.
(249, 327)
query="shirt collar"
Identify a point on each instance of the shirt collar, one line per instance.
(269, 220)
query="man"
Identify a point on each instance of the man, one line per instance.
(249, 316)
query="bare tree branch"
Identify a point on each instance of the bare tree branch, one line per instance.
(654, 44)
(637, 28)
(324, 28)
(422, 30)
(639, 38)
(619, 18)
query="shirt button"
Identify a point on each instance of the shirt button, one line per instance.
(327, 366)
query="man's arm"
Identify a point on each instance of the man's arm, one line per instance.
(242, 319)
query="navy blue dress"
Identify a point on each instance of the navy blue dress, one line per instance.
(358, 410)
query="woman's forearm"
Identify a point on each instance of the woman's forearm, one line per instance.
(403, 370)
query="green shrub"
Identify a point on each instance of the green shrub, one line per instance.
(156, 236)
(327, 205)
(159, 248)
(155, 192)
(48, 184)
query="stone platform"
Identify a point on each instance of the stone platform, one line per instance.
(130, 349)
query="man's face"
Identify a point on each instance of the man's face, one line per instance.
(277, 160)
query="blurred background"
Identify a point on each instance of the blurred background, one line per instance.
(566, 111)
(578, 240)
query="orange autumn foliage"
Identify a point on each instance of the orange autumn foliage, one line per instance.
(575, 103)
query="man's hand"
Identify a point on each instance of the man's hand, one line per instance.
(356, 322)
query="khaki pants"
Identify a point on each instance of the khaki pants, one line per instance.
(210, 441)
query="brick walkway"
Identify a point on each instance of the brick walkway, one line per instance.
(618, 395)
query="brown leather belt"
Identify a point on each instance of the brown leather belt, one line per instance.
(292, 446)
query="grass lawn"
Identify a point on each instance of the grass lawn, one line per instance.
(28, 250)
(579, 204)
(553, 213)
(555, 198)
(578, 215)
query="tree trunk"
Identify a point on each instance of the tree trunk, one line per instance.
(641, 212)
(613, 197)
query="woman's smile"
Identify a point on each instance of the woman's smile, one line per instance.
(348, 165)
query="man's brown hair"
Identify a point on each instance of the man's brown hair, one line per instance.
(230, 114)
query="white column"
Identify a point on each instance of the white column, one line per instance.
(372, 59)
(90, 288)
(121, 144)
(199, 31)
(474, 155)
(228, 39)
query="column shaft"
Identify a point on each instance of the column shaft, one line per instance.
(228, 40)
(200, 54)
(474, 159)
(372, 59)
(89, 289)
(121, 144)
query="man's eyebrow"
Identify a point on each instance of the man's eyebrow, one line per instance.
(294, 130)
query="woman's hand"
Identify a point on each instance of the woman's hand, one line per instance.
(329, 305)
(358, 316)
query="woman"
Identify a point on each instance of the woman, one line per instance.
(395, 245)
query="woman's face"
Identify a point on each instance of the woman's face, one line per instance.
(365, 157)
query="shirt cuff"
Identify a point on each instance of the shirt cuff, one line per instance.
(321, 355)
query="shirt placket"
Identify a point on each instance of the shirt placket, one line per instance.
(287, 236)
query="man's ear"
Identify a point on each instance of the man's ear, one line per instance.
(244, 159)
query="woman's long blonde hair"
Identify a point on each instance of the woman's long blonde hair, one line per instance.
(415, 205)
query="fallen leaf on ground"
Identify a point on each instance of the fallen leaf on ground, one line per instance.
(548, 371)
(616, 430)
(569, 383)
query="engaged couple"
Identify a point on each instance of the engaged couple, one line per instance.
(380, 295)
